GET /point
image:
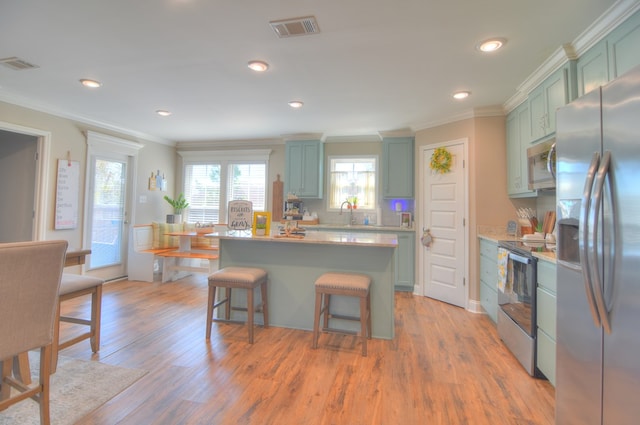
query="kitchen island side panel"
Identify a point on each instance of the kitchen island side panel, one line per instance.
(294, 267)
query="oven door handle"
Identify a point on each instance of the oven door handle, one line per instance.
(519, 258)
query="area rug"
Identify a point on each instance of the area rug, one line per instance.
(77, 388)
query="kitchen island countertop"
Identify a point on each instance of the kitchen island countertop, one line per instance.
(352, 238)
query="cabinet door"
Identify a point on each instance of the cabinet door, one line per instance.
(623, 45)
(397, 167)
(592, 68)
(405, 262)
(545, 100)
(293, 170)
(537, 113)
(556, 96)
(514, 171)
(312, 160)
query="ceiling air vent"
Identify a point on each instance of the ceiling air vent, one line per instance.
(16, 64)
(295, 26)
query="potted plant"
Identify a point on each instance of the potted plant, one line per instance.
(179, 204)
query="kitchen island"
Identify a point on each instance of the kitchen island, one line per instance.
(294, 265)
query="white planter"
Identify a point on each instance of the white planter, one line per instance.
(174, 218)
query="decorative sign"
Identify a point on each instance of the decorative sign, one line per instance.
(67, 194)
(240, 215)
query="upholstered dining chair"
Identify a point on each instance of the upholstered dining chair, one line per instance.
(30, 274)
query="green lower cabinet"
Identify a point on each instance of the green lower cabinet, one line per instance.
(405, 262)
(546, 320)
(489, 278)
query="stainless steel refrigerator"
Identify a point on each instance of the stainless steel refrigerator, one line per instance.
(598, 267)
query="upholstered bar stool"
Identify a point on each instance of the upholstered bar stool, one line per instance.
(347, 284)
(247, 278)
(73, 286)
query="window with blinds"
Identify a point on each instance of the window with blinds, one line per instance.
(209, 187)
(352, 178)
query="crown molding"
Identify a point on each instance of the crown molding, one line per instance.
(22, 102)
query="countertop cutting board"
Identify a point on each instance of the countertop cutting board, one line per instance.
(277, 200)
(549, 222)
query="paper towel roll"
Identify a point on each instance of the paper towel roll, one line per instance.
(379, 216)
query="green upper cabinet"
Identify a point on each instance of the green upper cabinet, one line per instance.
(553, 93)
(397, 167)
(623, 45)
(518, 131)
(304, 168)
(611, 57)
(592, 68)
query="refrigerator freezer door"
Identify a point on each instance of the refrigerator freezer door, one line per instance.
(621, 250)
(578, 340)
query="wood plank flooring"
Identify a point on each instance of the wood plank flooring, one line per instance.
(445, 366)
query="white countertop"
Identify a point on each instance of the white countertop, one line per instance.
(356, 227)
(328, 238)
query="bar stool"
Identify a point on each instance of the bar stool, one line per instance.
(347, 284)
(73, 286)
(247, 278)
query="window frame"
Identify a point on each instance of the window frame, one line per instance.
(224, 158)
(376, 162)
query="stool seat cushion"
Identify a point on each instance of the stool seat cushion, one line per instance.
(238, 277)
(75, 282)
(344, 281)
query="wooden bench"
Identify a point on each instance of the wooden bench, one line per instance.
(173, 263)
(144, 259)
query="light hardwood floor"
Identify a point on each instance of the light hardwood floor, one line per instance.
(445, 366)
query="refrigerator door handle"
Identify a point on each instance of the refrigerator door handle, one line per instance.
(584, 237)
(596, 279)
(550, 161)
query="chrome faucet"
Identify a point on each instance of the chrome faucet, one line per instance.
(351, 219)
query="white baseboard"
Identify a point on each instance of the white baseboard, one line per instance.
(475, 307)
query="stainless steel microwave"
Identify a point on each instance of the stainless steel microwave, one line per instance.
(541, 165)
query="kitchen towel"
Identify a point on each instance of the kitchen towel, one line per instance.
(503, 264)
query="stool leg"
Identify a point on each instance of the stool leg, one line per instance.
(56, 340)
(369, 314)
(327, 300)
(363, 324)
(211, 302)
(227, 308)
(265, 304)
(250, 309)
(316, 319)
(96, 304)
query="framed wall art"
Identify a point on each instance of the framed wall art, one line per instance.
(261, 223)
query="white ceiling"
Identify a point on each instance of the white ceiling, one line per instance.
(376, 65)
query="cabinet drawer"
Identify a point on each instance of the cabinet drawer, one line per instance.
(489, 271)
(547, 276)
(489, 300)
(546, 360)
(489, 249)
(546, 312)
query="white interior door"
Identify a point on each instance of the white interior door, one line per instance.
(443, 269)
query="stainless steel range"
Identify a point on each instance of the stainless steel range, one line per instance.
(517, 303)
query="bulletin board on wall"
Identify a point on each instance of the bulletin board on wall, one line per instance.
(67, 194)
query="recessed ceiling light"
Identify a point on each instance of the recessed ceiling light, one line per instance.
(258, 66)
(491, 45)
(163, 113)
(296, 104)
(91, 83)
(461, 95)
